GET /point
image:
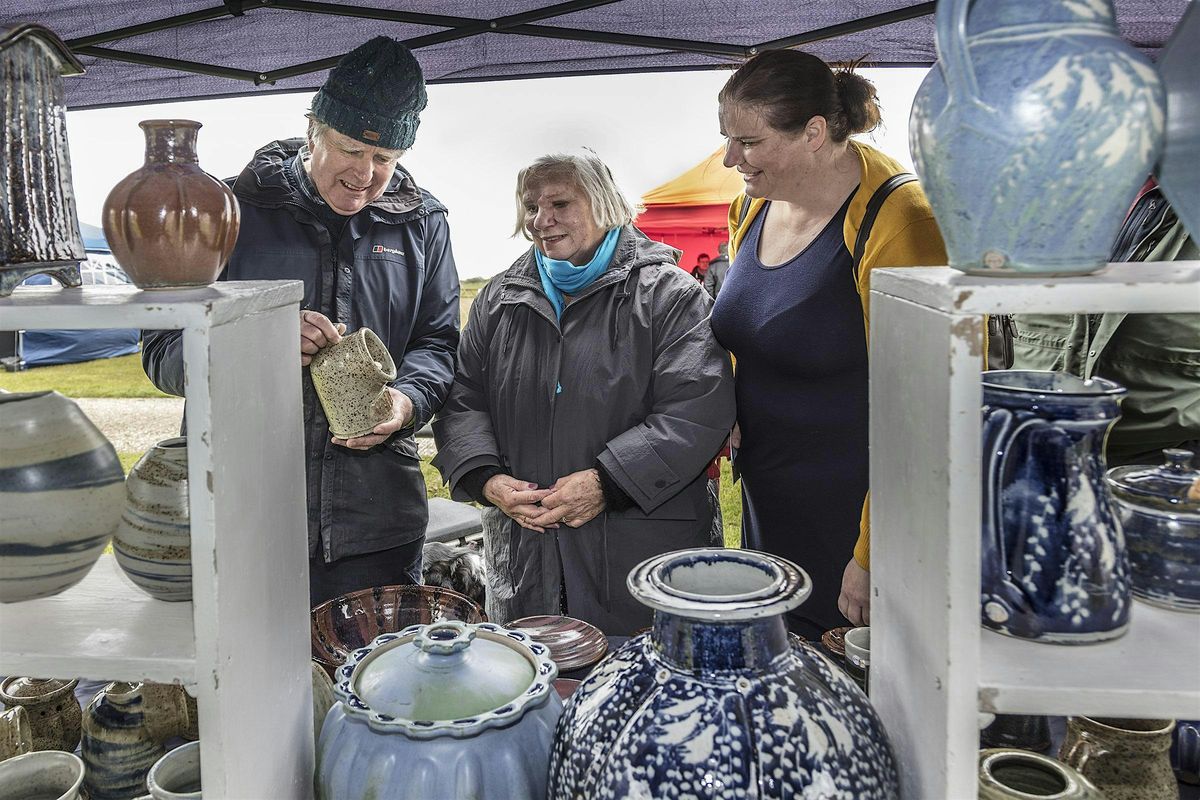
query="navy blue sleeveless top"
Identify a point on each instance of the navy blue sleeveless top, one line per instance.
(797, 333)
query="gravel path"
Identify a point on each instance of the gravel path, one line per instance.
(134, 425)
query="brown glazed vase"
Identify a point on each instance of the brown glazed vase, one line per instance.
(170, 224)
(1127, 759)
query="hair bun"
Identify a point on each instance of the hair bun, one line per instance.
(859, 101)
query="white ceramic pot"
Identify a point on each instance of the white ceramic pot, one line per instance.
(153, 543)
(45, 775)
(61, 491)
(176, 776)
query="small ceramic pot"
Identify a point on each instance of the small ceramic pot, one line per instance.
(54, 713)
(166, 710)
(153, 543)
(16, 737)
(351, 379)
(1021, 775)
(858, 655)
(176, 776)
(1127, 759)
(1185, 751)
(52, 775)
(118, 747)
(1017, 731)
(323, 699)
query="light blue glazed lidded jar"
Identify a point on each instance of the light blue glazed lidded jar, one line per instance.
(1033, 133)
(448, 709)
(715, 701)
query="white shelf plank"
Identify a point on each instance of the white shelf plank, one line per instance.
(1151, 671)
(103, 628)
(129, 307)
(1161, 287)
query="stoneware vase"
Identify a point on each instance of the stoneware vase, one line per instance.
(176, 776)
(1033, 132)
(1054, 566)
(1179, 169)
(54, 713)
(1127, 759)
(118, 748)
(61, 492)
(1185, 751)
(351, 379)
(715, 701)
(1160, 514)
(153, 543)
(41, 229)
(170, 224)
(442, 710)
(167, 711)
(323, 698)
(1020, 775)
(16, 737)
(52, 775)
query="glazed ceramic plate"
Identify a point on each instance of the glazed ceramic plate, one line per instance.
(835, 640)
(344, 624)
(573, 643)
(565, 687)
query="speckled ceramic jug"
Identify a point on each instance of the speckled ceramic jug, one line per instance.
(170, 224)
(1054, 562)
(118, 747)
(1127, 759)
(16, 737)
(1033, 133)
(54, 713)
(1021, 775)
(153, 543)
(351, 379)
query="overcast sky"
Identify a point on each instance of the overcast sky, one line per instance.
(473, 139)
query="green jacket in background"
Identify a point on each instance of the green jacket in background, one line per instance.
(1156, 357)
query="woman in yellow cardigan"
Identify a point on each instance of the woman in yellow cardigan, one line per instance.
(793, 311)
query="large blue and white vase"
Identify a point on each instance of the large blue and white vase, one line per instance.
(1033, 132)
(448, 709)
(1054, 562)
(715, 702)
(153, 543)
(61, 492)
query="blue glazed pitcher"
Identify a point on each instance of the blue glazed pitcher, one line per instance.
(1055, 567)
(1033, 133)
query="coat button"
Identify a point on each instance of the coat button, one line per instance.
(1092, 353)
(346, 270)
(660, 483)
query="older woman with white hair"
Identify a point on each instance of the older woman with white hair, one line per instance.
(588, 399)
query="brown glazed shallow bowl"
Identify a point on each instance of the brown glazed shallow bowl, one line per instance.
(565, 687)
(346, 623)
(835, 640)
(573, 643)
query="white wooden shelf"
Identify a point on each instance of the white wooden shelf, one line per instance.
(933, 667)
(242, 643)
(104, 628)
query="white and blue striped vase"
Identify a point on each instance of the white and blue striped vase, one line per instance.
(61, 490)
(1033, 133)
(153, 543)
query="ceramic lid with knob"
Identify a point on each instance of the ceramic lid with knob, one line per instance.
(18, 688)
(1174, 486)
(445, 679)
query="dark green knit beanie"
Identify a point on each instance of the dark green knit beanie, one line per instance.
(375, 94)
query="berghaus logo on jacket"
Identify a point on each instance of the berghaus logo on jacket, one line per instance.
(381, 249)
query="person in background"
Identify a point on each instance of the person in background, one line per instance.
(1156, 357)
(336, 211)
(794, 310)
(716, 270)
(701, 267)
(589, 397)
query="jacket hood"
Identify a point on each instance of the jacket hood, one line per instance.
(264, 181)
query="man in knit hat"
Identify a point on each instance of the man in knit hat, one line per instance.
(336, 211)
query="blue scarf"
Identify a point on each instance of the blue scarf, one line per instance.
(563, 277)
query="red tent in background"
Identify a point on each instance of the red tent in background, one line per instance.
(690, 212)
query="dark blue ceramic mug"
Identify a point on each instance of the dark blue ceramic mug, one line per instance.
(1054, 564)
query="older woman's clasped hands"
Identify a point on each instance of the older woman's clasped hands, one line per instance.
(573, 500)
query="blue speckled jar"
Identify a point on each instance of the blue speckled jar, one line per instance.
(1033, 133)
(715, 702)
(1054, 562)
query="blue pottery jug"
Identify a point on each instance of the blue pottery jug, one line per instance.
(715, 702)
(1033, 133)
(1055, 567)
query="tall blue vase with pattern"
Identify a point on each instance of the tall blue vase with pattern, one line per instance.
(715, 702)
(1055, 566)
(1033, 133)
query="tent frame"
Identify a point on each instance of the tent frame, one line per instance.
(455, 28)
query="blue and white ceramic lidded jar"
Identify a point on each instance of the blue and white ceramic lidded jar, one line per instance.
(1159, 509)
(1033, 133)
(448, 709)
(1054, 563)
(715, 702)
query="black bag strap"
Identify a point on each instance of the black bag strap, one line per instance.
(873, 205)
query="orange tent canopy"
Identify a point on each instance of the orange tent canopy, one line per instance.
(689, 211)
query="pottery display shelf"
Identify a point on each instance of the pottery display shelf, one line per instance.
(241, 645)
(933, 667)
